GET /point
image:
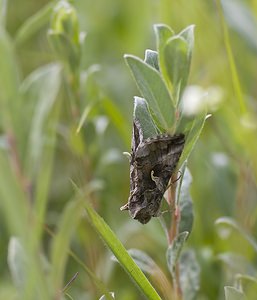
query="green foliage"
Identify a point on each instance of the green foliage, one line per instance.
(153, 90)
(142, 113)
(184, 200)
(233, 293)
(66, 105)
(64, 34)
(121, 254)
(174, 251)
(189, 275)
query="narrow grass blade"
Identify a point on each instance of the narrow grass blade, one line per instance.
(121, 254)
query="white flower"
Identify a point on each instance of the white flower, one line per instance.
(195, 99)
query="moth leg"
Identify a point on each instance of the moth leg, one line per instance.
(124, 207)
(160, 213)
(133, 193)
(180, 175)
(158, 181)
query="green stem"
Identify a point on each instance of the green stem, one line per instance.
(173, 231)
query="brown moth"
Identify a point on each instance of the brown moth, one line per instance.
(152, 163)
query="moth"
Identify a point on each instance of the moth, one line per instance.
(152, 163)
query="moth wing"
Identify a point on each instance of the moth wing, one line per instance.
(162, 155)
(160, 151)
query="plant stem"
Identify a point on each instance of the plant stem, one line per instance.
(173, 230)
(175, 214)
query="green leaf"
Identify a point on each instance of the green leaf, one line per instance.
(248, 278)
(237, 263)
(233, 224)
(162, 34)
(174, 251)
(151, 58)
(104, 297)
(17, 262)
(189, 275)
(177, 65)
(175, 53)
(144, 261)
(188, 35)
(38, 135)
(184, 201)
(13, 199)
(121, 254)
(26, 270)
(14, 205)
(248, 284)
(231, 293)
(60, 246)
(65, 20)
(192, 136)
(47, 78)
(154, 91)
(65, 50)
(61, 242)
(148, 265)
(142, 114)
(64, 35)
(33, 24)
(39, 90)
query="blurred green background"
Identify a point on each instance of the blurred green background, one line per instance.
(223, 164)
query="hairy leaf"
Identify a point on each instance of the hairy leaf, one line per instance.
(154, 91)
